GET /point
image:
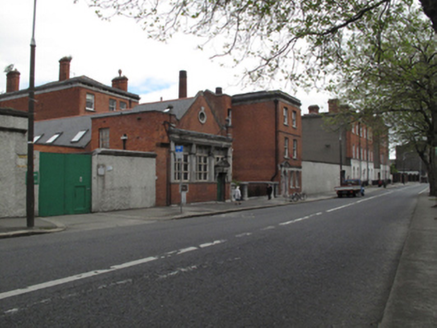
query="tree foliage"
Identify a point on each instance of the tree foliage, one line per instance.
(391, 73)
(379, 54)
(287, 39)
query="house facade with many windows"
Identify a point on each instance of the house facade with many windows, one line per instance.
(333, 153)
(69, 96)
(267, 129)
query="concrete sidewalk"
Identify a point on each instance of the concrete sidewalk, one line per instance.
(413, 297)
(412, 301)
(15, 227)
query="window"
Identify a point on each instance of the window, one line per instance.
(297, 179)
(286, 148)
(36, 138)
(293, 118)
(294, 148)
(104, 138)
(89, 101)
(229, 117)
(181, 167)
(285, 116)
(202, 115)
(53, 138)
(202, 167)
(79, 136)
(123, 105)
(291, 179)
(112, 105)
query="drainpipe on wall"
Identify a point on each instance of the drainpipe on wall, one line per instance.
(276, 141)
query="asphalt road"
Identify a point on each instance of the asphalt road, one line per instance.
(328, 263)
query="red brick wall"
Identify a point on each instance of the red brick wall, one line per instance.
(190, 120)
(254, 156)
(58, 149)
(146, 132)
(64, 103)
(253, 131)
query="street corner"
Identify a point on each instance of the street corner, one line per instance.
(11, 228)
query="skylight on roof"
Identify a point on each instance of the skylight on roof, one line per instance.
(36, 138)
(53, 138)
(79, 136)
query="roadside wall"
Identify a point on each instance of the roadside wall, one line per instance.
(320, 178)
(13, 163)
(122, 180)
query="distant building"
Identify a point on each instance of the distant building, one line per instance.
(332, 154)
(409, 164)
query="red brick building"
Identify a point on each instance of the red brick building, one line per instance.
(204, 166)
(266, 128)
(69, 96)
(253, 138)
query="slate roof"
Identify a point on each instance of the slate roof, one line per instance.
(79, 80)
(68, 128)
(180, 107)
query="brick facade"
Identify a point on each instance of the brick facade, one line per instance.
(260, 132)
(68, 96)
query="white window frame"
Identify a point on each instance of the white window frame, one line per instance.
(112, 105)
(286, 154)
(36, 138)
(104, 138)
(185, 163)
(90, 102)
(79, 136)
(285, 112)
(123, 105)
(53, 138)
(294, 118)
(202, 171)
(294, 148)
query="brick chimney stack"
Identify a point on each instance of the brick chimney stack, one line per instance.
(313, 109)
(333, 105)
(120, 82)
(64, 68)
(182, 84)
(13, 81)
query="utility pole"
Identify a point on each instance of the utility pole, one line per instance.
(30, 191)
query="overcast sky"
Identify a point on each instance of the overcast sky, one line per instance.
(100, 48)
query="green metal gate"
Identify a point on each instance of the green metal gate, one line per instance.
(65, 184)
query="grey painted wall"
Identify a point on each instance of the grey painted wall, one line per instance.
(123, 180)
(320, 178)
(321, 143)
(13, 163)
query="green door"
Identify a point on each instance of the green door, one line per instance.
(221, 185)
(65, 184)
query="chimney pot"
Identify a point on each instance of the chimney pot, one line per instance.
(218, 90)
(333, 105)
(13, 81)
(64, 68)
(120, 82)
(314, 109)
(182, 84)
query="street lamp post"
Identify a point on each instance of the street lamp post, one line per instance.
(341, 158)
(30, 191)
